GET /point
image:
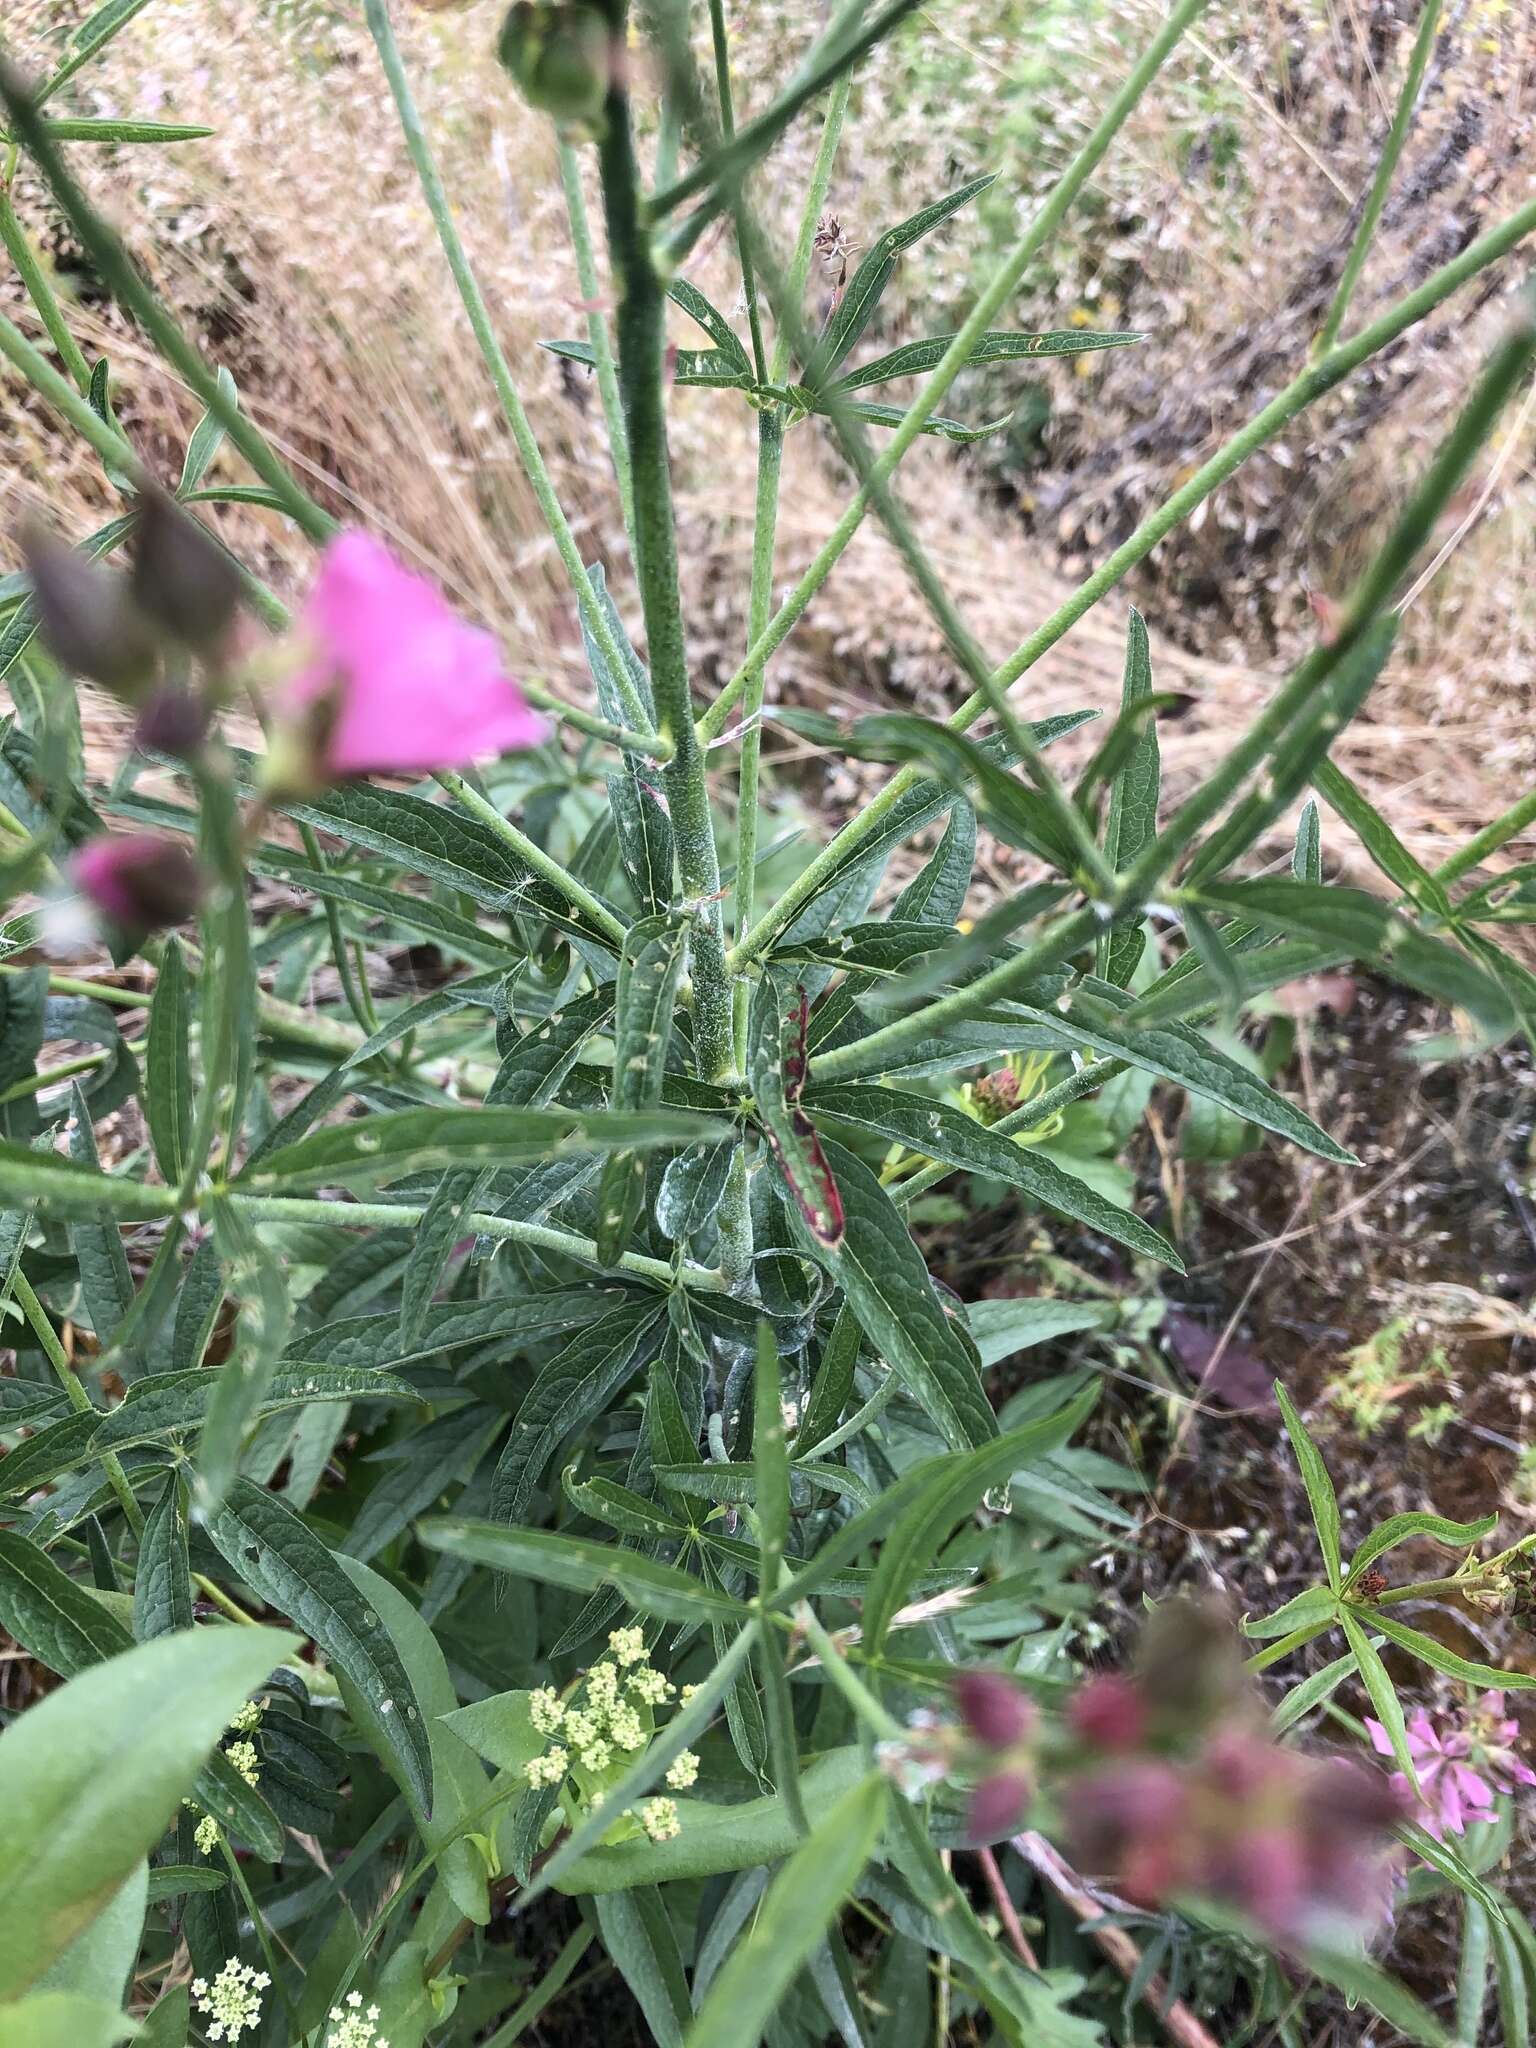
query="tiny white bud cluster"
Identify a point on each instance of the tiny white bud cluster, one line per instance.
(659, 1819)
(352, 2027)
(682, 1770)
(607, 1722)
(206, 1835)
(232, 2002)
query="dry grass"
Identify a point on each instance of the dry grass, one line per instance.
(294, 240)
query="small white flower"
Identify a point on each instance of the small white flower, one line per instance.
(546, 1710)
(596, 1756)
(355, 2028)
(650, 1685)
(682, 1770)
(659, 1819)
(233, 2001)
(206, 1834)
(626, 1728)
(245, 1760)
(549, 1768)
(627, 1645)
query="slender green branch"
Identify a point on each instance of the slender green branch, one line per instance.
(1311, 384)
(597, 330)
(648, 743)
(543, 864)
(641, 332)
(1277, 1652)
(529, 453)
(882, 1724)
(136, 298)
(1381, 183)
(406, 1216)
(770, 462)
(45, 380)
(40, 292)
(1489, 840)
(810, 217)
(78, 1398)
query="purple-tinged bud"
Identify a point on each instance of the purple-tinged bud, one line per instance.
(993, 1709)
(174, 722)
(87, 617)
(998, 1805)
(141, 883)
(995, 1095)
(1109, 1713)
(182, 578)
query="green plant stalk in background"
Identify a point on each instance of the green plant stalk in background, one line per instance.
(597, 335)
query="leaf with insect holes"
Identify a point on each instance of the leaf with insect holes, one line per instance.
(776, 1032)
(917, 358)
(856, 305)
(713, 322)
(651, 968)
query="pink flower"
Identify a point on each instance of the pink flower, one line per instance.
(1451, 1794)
(1108, 1712)
(140, 882)
(1493, 1735)
(993, 1709)
(398, 684)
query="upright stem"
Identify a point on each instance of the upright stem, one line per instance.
(1381, 184)
(543, 864)
(641, 332)
(722, 50)
(40, 292)
(1489, 840)
(770, 462)
(593, 615)
(597, 331)
(79, 1399)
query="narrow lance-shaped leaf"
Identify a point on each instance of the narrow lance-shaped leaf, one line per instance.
(1320, 1494)
(1307, 854)
(167, 1069)
(98, 1246)
(917, 358)
(939, 426)
(254, 1279)
(1130, 823)
(162, 1580)
(776, 1069)
(713, 322)
(1399, 1528)
(650, 973)
(276, 1554)
(583, 1566)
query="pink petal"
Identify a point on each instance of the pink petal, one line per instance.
(1381, 1741)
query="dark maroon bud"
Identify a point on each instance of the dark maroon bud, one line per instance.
(141, 883)
(1108, 1713)
(998, 1805)
(173, 722)
(182, 578)
(993, 1709)
(1123, 1808)
(87, 617)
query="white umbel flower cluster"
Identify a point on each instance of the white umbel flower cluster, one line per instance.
(353, 2027)
(232, 2002)
(605, 1726)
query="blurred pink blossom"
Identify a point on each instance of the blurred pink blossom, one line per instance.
(138, 880)
(1450, 1792)
(396, 682)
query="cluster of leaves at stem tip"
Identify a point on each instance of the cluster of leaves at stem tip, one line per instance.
(503, 1444)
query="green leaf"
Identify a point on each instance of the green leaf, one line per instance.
(1320, 1494)
(89, 39)
(162, 1579)
(167, 1073)
(1373, 931)
(937, 1130)
(1307, 854)
(1435, 1654)
(1317, 1603)
(1130, 823)
(1386, 850)
(1360, 1979)
(638, 1934)
(800, 1905)
(91, 1776)
(585, 1567)
(651, 966)
(245, 1378)
(713, 322)
(105, 1281)
(571, 1389)
(1311, 1692)
(776, 1062)
(374, 1150)
(280, 1558)
(949, 1493)
(856, 307)
(205, 440)
(1383, 1694)
(104, 129)
(1017, 814)
(366, 1343)
(458, 1785)
(99, 1961)
(892, 416)
(63, 2019)
(1398, 1528)
(888, 1287)
(937, 892)
(170, 1403)
(917, 358)
(178, 1880)
(770, 1460)
(456, 1196)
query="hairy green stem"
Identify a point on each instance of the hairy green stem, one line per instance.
(136, 298)
(641, 333)
(1381, 183)
(543, 864)
(770, 464)
(1477, 849)
(40, 292)
(815, 202)
(406, 1216)
(597, 331)
(722, 53)
(78, 1398)
(529, 453)
(1311, 384)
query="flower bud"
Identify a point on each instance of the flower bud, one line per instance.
(1108, 1713)
(560, 53)
(996, 1095)
(182, 578)
(141, 883)
(172, 721)
(88, 619)
(998, 1804)
(993, 1709)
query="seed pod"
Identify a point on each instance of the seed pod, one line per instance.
(561, 57)
(139, 882)
(182, 579)
(87, 616)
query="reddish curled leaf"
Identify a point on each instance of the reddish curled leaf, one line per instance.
(777, 1062)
